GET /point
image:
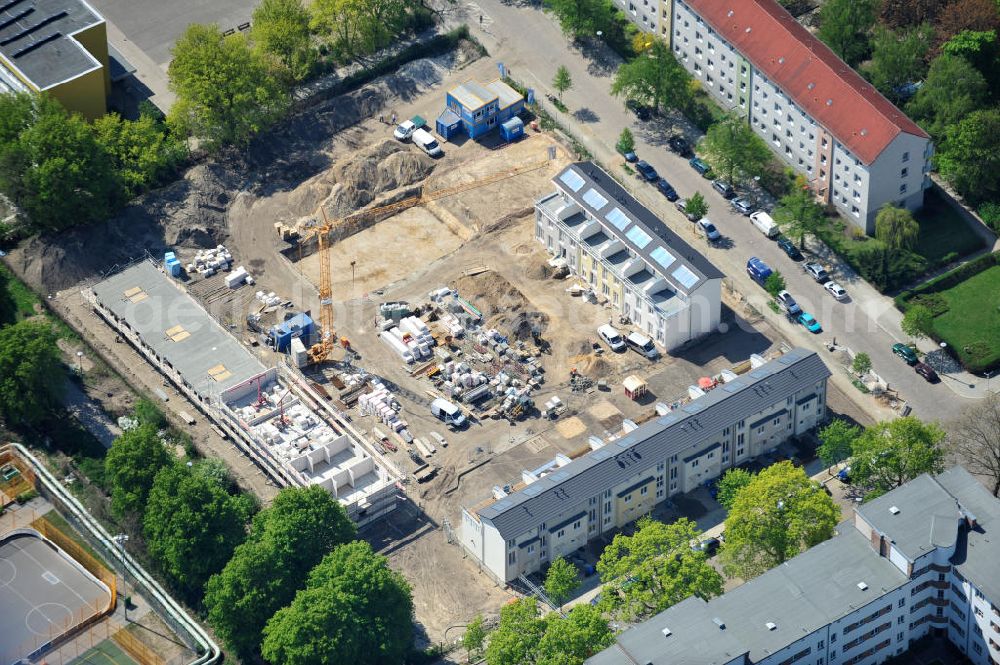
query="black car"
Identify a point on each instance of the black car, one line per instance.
(724, 188)
(667, 189)
(647, 172)
(789, 248)
(642, 112)
(679, 145)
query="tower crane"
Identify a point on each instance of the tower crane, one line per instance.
(319, 351)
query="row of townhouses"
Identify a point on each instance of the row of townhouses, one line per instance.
(858, 151)
(921, 559)
(561, 506)
(628, 256)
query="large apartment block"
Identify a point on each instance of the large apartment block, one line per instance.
(857, 150)
(630, 257)
(567, 502)
(921, 559)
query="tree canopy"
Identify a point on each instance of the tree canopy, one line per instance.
(844, 26)
(561, 580)
(891, 453)
(353, 28)
(354, 609)
(225, 91)
(581, 18)
(732, 481)
(975, 438)
(697, 206)
(655, 78)
(525, 637)
(775, 517)
(735, 151)
(286, 541)
(32, 378)
(143, 152)
(130, 468)
(798, 214)
(962, 15)
(280, 30)
(970, 156)
(192, 527)
(655, 568)
(918, 321)
(562, 81)
(896, 227)
(952, 90)
(836, 441)
(905, 13)
(898, 58)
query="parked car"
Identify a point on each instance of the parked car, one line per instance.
(835, 290)
(642, 345)
(811, 324)
(816, 271)
(612, 337)
(699, 165)
(742, 206)
(423, 139)
(646, 170)
(679, 145)
(405, 129)
(789, 248)
(629, 155)
(710, 546)
(724, 188)
(758, 270)
(666, 189)
(681, 204)
(906, 353)
(763, 222)
(641, 112)
(926, 371)
(787, 303)
(844, 475)
(708, 228)
(447, 412)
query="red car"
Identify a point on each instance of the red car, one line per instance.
(926, 371)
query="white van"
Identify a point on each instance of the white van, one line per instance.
(612, 337)
(447, 412)
(426, 142)
(765, 224)
(642, 345)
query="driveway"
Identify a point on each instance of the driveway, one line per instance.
(532, 47)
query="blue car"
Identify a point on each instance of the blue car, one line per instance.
(667, 189)
(647, 172)
(758, 270)
(811, 324)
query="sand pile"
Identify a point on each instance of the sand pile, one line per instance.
(491, 293)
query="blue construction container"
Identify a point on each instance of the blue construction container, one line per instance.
(483, 107)
(299, 325)
(173, 267)
(448, 124)
(512, 130)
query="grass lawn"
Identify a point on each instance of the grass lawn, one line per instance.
(942, 230)
(17, 301)
(972, 323)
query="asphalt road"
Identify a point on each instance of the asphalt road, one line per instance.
(532, 47)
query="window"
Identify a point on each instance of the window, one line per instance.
(902, 188)
(905, 172)
(906, 157)
(560, 533)
(644, 491)
(628, 498)
(510, 558)
(901, 603)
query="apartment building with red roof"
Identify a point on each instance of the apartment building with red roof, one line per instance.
(857, 150)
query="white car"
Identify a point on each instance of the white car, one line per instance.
(787, 303)
(612, 337)
(404, 130)
(835, 290)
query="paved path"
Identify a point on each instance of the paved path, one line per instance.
(532, 47)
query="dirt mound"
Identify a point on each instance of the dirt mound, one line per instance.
(592, 365)
(491, 293)
(382, 167)
(539, 271)
(345, 199)
(521, 325)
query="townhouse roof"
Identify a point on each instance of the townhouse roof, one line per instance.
(676, 433)
(177, 328)
(36, 39)
(622, 216)
(811, 74)
(799, 597)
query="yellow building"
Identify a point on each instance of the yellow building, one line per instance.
(55, 46)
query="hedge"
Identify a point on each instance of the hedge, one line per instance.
(946, 281)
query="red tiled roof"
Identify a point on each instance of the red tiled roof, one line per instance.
(810, 73)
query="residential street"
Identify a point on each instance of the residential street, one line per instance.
(532, 47)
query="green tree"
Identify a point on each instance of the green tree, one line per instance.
(654, 77)
(581, 18)
(844, 26)
(148, 413)
(778, 515)
(730, 484)
(967, 15)
(798, 214)
(952, 90)
(918, 321)
(286, 541)
(896, 227)
(862, 363)
(735, 150)
(354, 28)
(130, 468)
(562, 81)
(561, 580)
(143, 152)
(697, 207)
(574, 639)
(891, 453)
(32, 378)
(354, 609)
(474, 637)
(898, 59)
(970, 156)
(225, 93)
(192, 527)
(53, 167)
(774, 284)
(981, 49)
(626, 142)
(281, 30)
(516, 639)
(836, 441)
(655, 568)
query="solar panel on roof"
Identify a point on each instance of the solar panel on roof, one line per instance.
(684, 275)
(760, 373)
(533, 490)
(638, 236)
(601, 454)
(572, 179)
(594, 199)
(732, 386)
(786, 359)
(560, 475)
(693, 407)
(617, 218)
(502, 505)
(663, 257)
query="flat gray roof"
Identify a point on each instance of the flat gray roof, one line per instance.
(800, 596)
(177, 328)
(546, 499)
(35, 38)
